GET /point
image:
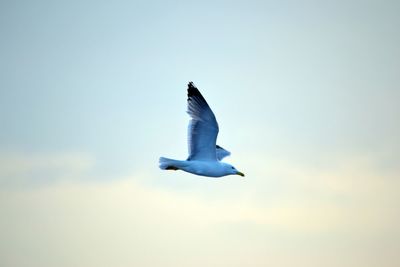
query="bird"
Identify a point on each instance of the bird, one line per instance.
(205, 156)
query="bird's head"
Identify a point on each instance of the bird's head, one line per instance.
(232, 170)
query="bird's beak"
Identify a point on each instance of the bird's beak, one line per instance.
(240, 173)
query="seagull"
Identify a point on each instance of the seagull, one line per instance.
(204, 154)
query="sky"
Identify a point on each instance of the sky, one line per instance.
(306, 94)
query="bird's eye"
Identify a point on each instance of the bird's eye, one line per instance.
(232, 168)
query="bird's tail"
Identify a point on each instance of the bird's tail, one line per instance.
(169, 164)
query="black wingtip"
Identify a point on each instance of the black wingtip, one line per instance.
(192, 90)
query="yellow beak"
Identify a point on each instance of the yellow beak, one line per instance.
(240, 173)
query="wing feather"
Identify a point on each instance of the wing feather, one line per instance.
(222, 153)
(203, 127)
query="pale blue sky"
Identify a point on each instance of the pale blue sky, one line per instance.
(306, 94)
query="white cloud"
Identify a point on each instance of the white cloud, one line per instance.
(128, 222)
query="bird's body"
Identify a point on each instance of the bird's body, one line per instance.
(204, 154)
(208, 168)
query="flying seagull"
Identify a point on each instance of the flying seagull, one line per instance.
(204, 154)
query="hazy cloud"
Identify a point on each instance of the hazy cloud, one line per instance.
(129, 221)
(27, 169)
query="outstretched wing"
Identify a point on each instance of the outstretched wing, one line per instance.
(203, 127)
(222, 153)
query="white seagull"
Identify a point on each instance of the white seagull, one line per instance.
(204, 154)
